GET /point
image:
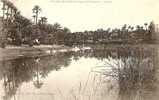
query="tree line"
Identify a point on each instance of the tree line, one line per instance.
(126, 34)
(18, 30)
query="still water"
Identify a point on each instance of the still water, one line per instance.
(117, 73)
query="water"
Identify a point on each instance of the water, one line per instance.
(116, 73)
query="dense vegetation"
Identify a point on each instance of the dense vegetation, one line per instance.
(18, 30)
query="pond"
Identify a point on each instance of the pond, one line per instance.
(116, 73)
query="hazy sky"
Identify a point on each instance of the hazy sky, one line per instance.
(90, 16)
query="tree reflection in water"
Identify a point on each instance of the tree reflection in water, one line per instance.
(133, 69)
(37, 83)
(15, 72)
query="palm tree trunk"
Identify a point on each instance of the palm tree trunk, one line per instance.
(36, 17)
(3, 9)
(7, 14)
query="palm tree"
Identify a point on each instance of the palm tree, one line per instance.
(34, 18)
(9, 4)
(4, 7)
(43, 20)
(132, 28)
(13, 10)
(124, 27)
(36, 10)
(137, 28)
(146, 26)
(56, 26)
(10, 9)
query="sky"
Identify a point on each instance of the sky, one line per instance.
(79, 16)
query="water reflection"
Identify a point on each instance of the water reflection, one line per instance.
(135, 70)
(15, 72)
(137, 79)
(125, 72)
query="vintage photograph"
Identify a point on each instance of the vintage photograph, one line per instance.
(79, 49)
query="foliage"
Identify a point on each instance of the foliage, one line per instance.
(20, 30)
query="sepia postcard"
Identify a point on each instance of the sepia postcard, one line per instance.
(79, 49)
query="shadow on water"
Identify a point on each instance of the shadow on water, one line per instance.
(132, 71)
(15, 72)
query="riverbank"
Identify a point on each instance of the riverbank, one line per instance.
(13, 52)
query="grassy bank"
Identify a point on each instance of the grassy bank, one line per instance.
(13, 52)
